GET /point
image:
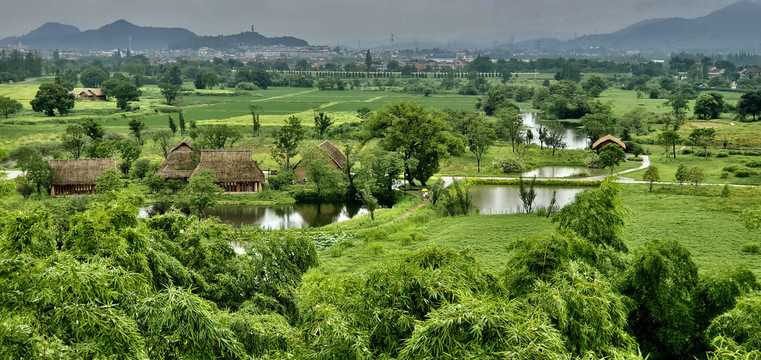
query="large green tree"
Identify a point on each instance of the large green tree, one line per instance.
(287, 140)
(170, 83)
(201, 192)
(123, 90)
(422, 136)
(750, 104)
(709, 106)
(510, 126)
(702, 137)
(93, 77)
(74, 140)
(52, 97)
(218, 136)
(9, 106)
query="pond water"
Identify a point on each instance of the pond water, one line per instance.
(556, 171)
(287, 216)
(501, 199)
(574, 138)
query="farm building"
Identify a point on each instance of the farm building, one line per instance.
(77, 176)
(605, 140)
(89, 94)
(234, 170)
(179, 163)
(337, 160)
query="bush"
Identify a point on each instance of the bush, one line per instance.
(722, 154)
(593, 162)
(702, 153)
(510, 166)
(752, 153)
(753, 164)
(335, 251)
(281, 180)
(731, 168)
(744, 172)
(635, 158)
(752, 248)
(735, 152)
(724, 174)
(375, 235)
(246, 86)
(687, 151)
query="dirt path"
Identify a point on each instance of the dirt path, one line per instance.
(284, 96)
(412, 209)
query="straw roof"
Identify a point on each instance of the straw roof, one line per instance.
(608, 138)
(229, 165)
(79, 171)
(338, 157)
(180, 162)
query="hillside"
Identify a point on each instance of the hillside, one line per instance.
(733, 28)
(248, 38)
(120, 34)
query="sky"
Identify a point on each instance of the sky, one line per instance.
(359, 23)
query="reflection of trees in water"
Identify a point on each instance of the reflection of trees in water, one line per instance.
(319, 214)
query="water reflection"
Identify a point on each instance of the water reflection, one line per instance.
(556, 171)
(500, 199)
(574, 138)
(286, 217)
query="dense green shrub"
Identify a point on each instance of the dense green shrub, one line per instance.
(744, 172)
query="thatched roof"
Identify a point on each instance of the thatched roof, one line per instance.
(229, 165)
(79, 171)
(180, 163)
(608, 138)
(338, 157)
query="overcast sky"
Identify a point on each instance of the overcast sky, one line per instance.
(359, 22)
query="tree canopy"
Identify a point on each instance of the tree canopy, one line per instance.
(422, 136)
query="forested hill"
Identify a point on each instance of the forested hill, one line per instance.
(733, 28)
(248, 38)
(122, 34)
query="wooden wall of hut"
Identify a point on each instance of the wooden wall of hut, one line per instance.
(241, 187)
(77, 189)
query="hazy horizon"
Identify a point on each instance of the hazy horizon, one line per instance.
(361, 23)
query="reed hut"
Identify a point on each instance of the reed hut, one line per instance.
(234, 170)
(77, 176)
(180, 162)
(337, 160)
(605, 140)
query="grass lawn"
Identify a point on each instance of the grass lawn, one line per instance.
(700, 220)
(712, 168)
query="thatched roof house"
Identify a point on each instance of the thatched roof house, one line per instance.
(77, 176)
(234, 170)
(180, 162)
(605, 140)
(339, 159)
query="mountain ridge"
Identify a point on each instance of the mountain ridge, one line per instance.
(121, 34)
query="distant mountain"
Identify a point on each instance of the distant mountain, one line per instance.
(48, 32)
(248, 38)
(733, 28)
(112, 36)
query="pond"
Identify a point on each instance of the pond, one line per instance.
(556, 171)
(286, 216)
(502, 199)
(574, 138)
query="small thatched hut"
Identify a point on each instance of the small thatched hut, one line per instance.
(180, 162)
(234, 170)
(337, 160)
(605, 140)
(89, 94)
(71, 177)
